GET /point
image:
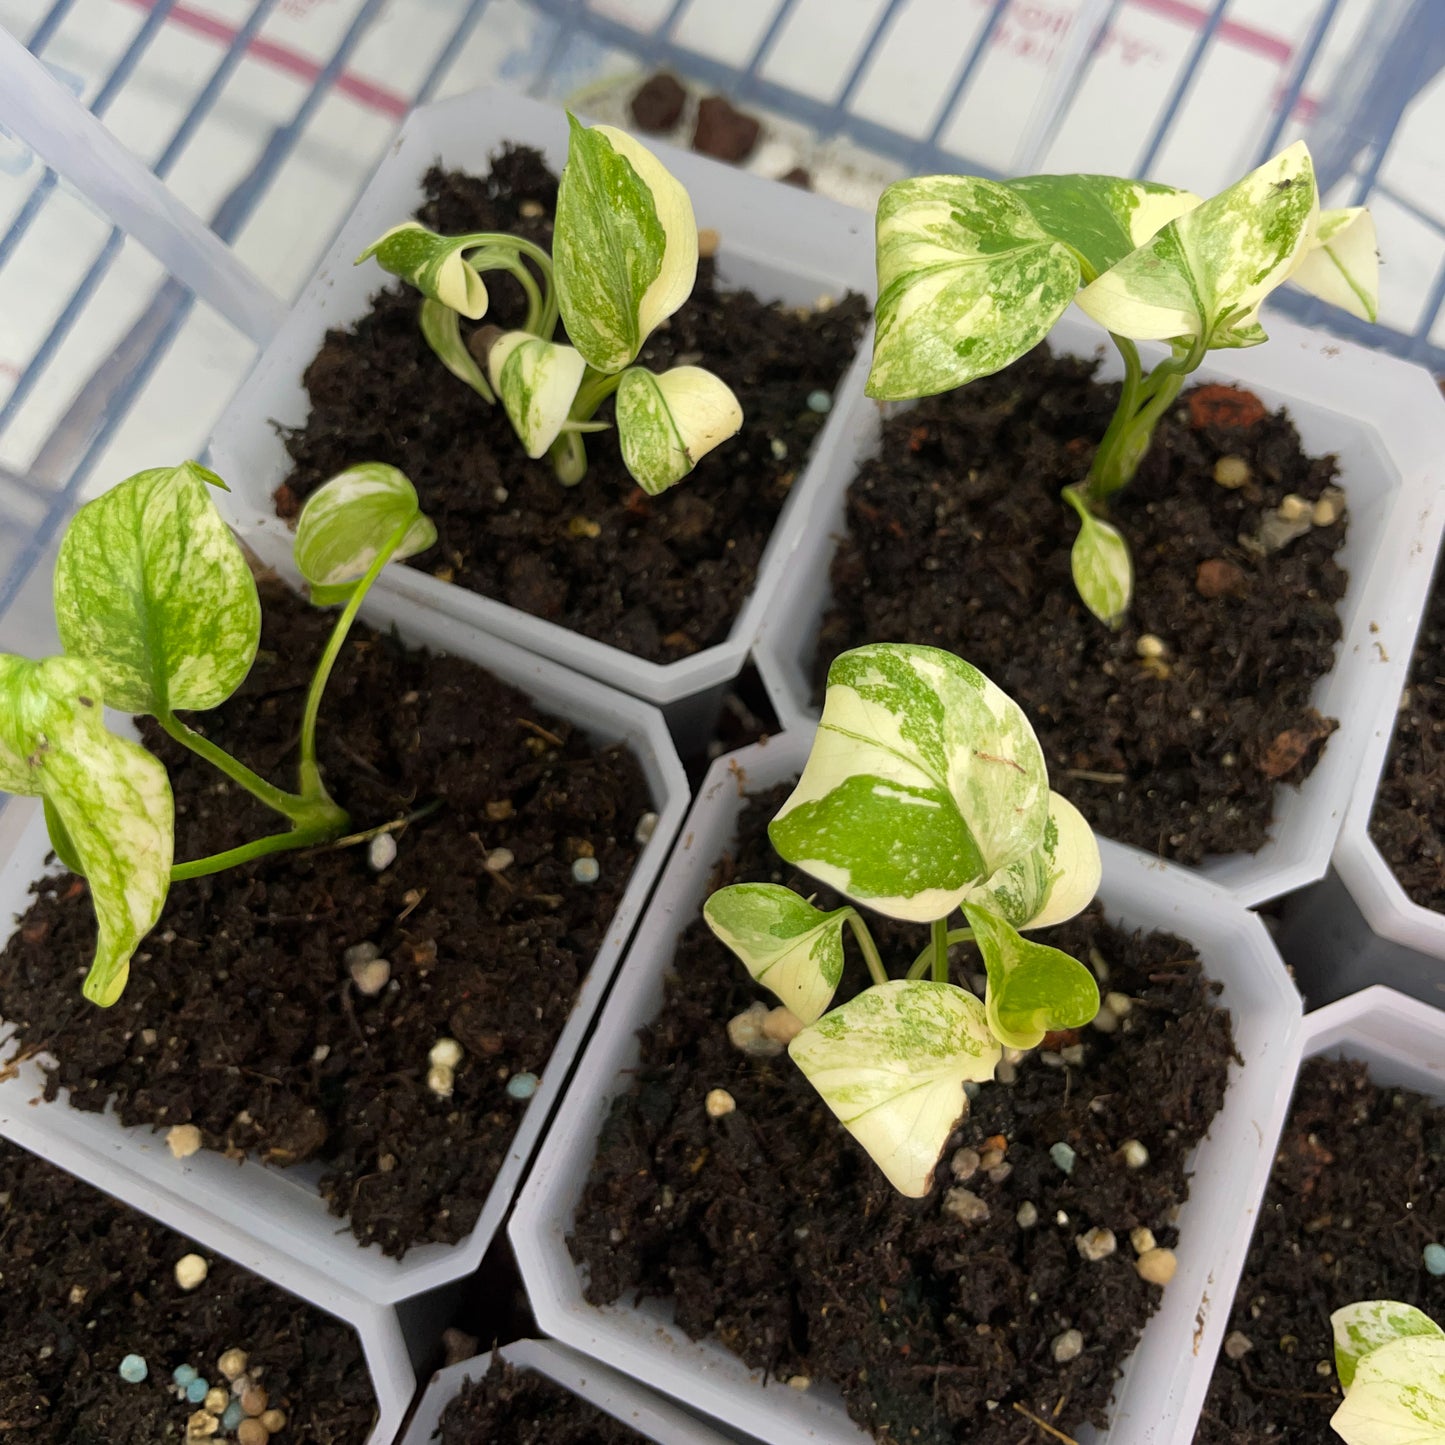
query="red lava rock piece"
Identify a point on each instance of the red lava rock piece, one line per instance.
(1217, 405)
(1290, 748)
(724, 132)
(657, 105)
(1218, 578)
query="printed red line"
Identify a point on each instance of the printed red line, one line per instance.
(1244, 36)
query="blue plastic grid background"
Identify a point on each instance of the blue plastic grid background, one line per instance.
(1405, 51)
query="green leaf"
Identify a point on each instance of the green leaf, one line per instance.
(153, 590)
(1362, 1328)
(441, 328)
(60, 838)
(1342, 265)
(537, 381)
(787, 945)
(924, 779)
(1397, 1396)
(112, 800)
(1209, 270)
(1103, 570)
(624, 246)
(1032, 988)
(666, 424)
(436, 265)
(1053, 882)
(348, 520)
(891, 1063)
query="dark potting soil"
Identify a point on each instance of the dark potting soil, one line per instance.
(240, 1016)
(1408, 824)
(523, 1408)
(775, 1234)
(88, 1281)
(957, 537)
(659, 577)
(1357, 1192)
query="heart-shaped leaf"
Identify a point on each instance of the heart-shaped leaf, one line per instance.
(112, 800)
(153, 590)
(537, 382)
(787, 945)
(436, 265)
(667, 423)
(1342, 265)
(891, 1063)
(924, 779)
(1397, 1396)
(624, 245)
(1362, 1328)
(1103, 570)
(1032, 988)
(347, 521)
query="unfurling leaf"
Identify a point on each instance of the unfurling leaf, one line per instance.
(154, 592)
(891, 1064)
(924, 779)
(441, 328)
(347, 521)
(436, 265)
(624, 245)
(667, 423)
(1341, 264)
(787, 945)
(1103, 570)
(1206, 272)
(112, 800)
(537, 382)
(1032, 988)
(1397, 1396)
(1364, 1327)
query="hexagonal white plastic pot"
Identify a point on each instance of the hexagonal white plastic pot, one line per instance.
(779, 241)
(625, 1400)
(280, 1212)
(1383, 418)
(1164, 1381)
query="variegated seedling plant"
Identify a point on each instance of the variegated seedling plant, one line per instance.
(973, 273)
(624, 259)
(1390, 1359)
(925, 792)
(158, 613)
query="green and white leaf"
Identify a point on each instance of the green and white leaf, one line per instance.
(441, 328)
(1053, 882)
(1211, 267)
(624, 247)
(1100, 561)
(60, 838)
(436, 265)
(537, 382)
(1397, 1396)
(111, 797)
(666, 424)
(153, 590)
(1032, 988)
(891, 1063)
(1342, 263)
(787, 945)
(1364, 1327)
(924, 779)
(346, 522)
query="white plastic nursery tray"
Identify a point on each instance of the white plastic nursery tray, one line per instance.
(1164, 1382)
(1385, 421)
(781, 242)
(625, 1400)
(279, 1213)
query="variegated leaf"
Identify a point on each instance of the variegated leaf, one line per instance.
(1032, 988)
(1212, 266)
(153, 590)
(1397, 1396)
(441, 328)
(537, 382)
(1342, 264)
(348, 520)
(923, 780)
(891, 1063)
(666, 424)
(111, 797)
(1099, 559)
(436, 265)
(624, 246)
(1361, 1328)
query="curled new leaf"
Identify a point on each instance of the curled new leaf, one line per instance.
(436, 265)
(1397, 1396)
(1341, 264)
(441, 328)
(537, 382)
(154, 591)
(112, 800)
(891, 1064)
(1103, 570)
(787, 945)
(346, 522)
(1362, 1328)
(667, 423)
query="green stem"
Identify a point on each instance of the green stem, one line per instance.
(868, 948)
(596, 387)
(940, 950)
(924, 961)
(569, 458)
(513, 266)
(501, 240)
(296, 837)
